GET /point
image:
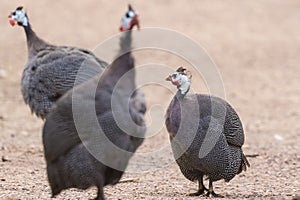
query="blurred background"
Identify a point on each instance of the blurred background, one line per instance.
(254, 44)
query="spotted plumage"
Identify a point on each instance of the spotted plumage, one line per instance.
(206, 136)
(51, 70)
(78, 153)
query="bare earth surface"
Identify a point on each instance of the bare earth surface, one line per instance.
(255, 45)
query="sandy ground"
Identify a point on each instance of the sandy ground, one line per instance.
(255, 45)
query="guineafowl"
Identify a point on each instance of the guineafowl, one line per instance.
(50, 70)
(206, 135)
(88, 136)
(130, 20)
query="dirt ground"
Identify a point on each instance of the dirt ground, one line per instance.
(255, 45)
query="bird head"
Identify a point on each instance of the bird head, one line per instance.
(181, 79)
(129, 20)
(18, 16)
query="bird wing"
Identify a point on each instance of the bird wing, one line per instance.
(233, 128)
(57, 70)
(138, 101)
(225, 114)
(52, 72)
(59, 136)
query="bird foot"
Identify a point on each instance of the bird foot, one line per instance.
(213, 194)
(198, 193)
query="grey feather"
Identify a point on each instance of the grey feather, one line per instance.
(77, 153)
(51, 71)
(215, 127)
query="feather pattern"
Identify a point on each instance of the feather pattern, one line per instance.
(215, 128)
(51, 71)
(68, 145)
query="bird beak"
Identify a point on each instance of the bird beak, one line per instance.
(11, 21)
(169, 78)
(137, 22)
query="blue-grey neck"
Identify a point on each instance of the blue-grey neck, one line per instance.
(34, 43)
(125, 42)
(179, 95)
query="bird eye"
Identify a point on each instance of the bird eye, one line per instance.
(174, 75)
(14, 13)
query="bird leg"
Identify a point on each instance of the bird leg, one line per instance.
(201, 188)
(100, 194)
(211, 192)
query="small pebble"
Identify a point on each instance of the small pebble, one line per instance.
(297, 197)
(5, 159)
(3, 73)
(278, 137)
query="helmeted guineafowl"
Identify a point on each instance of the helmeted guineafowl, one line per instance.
(50, 70)
(129, 20)
(78, 153)
(206, 135)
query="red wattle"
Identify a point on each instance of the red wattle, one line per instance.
(12, 22)
(176, 83)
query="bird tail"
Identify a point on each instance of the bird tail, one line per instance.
(55, 179)
(244, 164)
